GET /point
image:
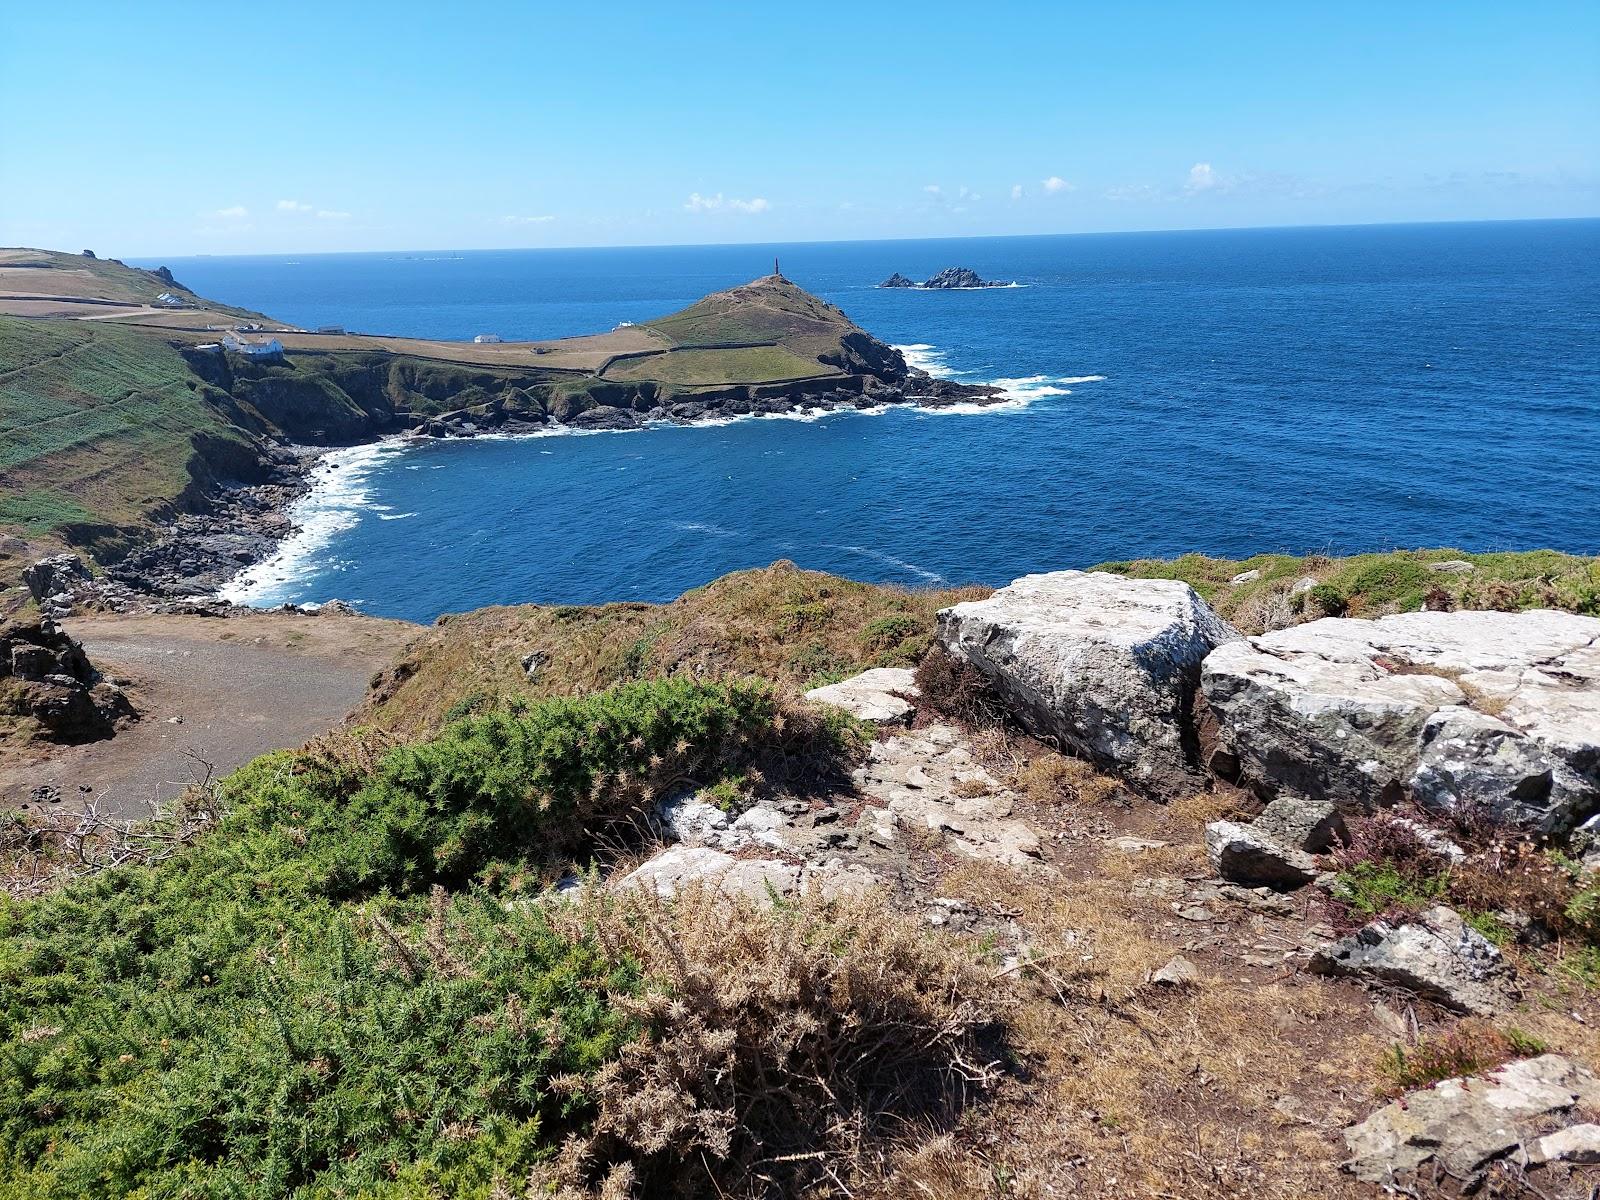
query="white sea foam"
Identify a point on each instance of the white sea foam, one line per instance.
(890, 560)
(1019, 392)
(339, 493)
(705, 527)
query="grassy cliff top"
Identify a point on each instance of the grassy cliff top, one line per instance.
(100, 427)
(769, 309)
(803, 628)
(51, 283)
(1274, 590)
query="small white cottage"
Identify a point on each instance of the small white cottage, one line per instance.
(255, 347)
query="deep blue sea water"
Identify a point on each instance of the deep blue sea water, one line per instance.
(1337, 389)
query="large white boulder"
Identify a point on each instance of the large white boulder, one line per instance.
(1494, 710)
(1107, 665)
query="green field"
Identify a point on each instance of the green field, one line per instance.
(704, 368)
(97, 425)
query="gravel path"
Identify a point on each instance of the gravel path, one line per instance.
(208, 690)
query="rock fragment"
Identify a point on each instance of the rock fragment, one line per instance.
(1438, 956)
(1249, 856)
(1466, 1122)
(879, 695)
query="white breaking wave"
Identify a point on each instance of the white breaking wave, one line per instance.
(1019, 392)
(338, 496)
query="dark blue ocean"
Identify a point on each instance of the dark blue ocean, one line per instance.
(1337, 389)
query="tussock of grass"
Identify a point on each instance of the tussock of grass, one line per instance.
(771, 1044)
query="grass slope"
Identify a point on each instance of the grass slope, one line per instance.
(715, 368)
(28, 272)
(99, 427)
(796, 628)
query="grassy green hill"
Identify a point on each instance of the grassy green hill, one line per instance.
(30, 279)
(102, 429)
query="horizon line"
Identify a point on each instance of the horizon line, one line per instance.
(864, 241)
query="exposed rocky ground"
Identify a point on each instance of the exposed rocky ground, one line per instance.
(1310, 898)
(1307, 744)
(47, 681)
(210, 694)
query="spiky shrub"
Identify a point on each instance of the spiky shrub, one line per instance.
(290, 1005)
(774, 1041)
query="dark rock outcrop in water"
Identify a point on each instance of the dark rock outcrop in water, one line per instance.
(949, 279)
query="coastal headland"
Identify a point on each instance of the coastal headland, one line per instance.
(150, 428)
(1257, 851)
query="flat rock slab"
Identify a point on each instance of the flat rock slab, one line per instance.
(1107, 665)
(928, 779)
(872, 695)
(1438, 956)
(757, 879)
(1484, 708)
(1466, 1122)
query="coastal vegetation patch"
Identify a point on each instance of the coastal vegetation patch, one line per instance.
(796, 628)
(1270, 591)
(341, 984)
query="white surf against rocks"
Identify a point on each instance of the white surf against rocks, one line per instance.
(1019, 392)
(340, 492)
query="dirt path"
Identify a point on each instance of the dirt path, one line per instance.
(209, 690)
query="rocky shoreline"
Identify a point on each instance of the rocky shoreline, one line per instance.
(184, 568)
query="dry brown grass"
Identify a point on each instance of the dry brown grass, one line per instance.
(781, 1047)
(793, 627)
(1230, 1088)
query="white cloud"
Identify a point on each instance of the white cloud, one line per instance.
(1057, 184)
(965, 194)
(332, 214)
(539, 220)
(699, 203)
(1016, 191)
(293, 206)
(235, 213)
(1201, 178)
(933, 189)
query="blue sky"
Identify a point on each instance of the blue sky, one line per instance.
(179, 128)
